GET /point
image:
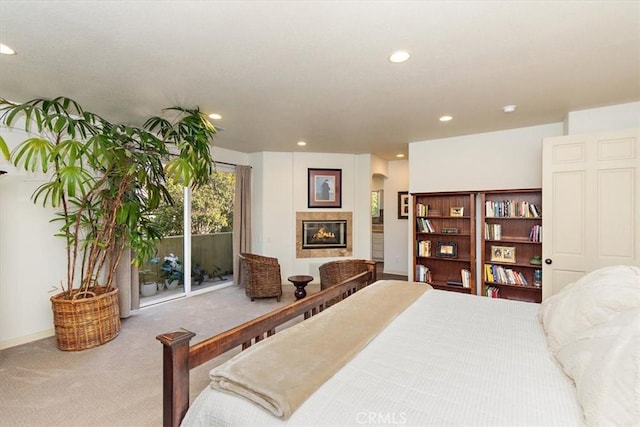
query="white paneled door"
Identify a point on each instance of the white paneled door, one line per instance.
(590, 205)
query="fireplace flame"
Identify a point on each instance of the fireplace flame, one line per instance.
(324, 234)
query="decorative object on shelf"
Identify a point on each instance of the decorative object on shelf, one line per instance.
(447, 250)
(537, 278)
(456, 211)
(503, 254)
(325, 188)
(536, 260)
(450, 230)
(403, 204)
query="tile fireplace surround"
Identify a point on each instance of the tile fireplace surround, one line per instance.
(319, 217)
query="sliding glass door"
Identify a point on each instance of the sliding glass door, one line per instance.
(197, 232)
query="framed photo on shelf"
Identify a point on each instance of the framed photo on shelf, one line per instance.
(403, 204)
(456, 211)
(447, 250)
(325, 188)
(503, 254)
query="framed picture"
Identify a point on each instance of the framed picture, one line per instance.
(503, 254)
(456, 211)
(447, 250)
(325, 188)
(403, 204)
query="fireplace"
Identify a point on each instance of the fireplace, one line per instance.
(324, 234)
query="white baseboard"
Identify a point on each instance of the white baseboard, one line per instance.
(26, 339)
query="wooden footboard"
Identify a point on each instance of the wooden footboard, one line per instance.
(179, 357)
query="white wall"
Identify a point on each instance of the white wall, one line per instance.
(32, 261)
(280, 190)
(615, 117)
(486, 161)
(396, 231)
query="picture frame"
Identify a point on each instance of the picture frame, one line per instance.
(403, 205)
(324, 188)
(503, 254)
(447, 250)
(456, 211)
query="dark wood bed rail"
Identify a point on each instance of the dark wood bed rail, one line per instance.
(179, 358)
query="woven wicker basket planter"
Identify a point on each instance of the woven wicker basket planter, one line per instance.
(85, 322)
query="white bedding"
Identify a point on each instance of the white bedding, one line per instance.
(448, 359)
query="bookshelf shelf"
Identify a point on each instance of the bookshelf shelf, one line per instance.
(520, 240)
(442, 229)
(506, 285)
(511, 220)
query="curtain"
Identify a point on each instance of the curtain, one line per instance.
(127, 284)
(241, 217)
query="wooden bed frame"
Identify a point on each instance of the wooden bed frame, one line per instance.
(179, 357)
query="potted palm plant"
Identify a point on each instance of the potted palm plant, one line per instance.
(105, 180)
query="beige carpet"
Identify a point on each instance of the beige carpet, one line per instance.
(119, 383)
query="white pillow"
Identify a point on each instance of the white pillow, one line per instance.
(604, 362)
(592, 299)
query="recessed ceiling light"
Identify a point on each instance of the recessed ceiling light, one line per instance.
(399, 56)
(446, 118)
(215, 116)
(302, 143)
(6, 50)
(400, 155)
(509, 108)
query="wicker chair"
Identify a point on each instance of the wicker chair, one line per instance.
(334, 272)
(260, 276)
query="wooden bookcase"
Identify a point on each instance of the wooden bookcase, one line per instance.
(447, 222)
(510, 235)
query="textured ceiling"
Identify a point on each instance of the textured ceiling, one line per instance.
(280, 72)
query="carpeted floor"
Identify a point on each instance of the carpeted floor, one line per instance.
(119, 383)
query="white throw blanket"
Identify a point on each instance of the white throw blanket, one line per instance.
(280, 373)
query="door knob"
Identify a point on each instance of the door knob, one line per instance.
(548, 261)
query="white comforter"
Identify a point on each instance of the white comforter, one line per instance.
(449, 359)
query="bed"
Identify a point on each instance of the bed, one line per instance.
(430, 358)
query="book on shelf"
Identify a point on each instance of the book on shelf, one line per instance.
(506, 276)
(454, 283)
(424, 248)
(492, 292)
(492, 231)
(535, 211)
(466, 278)
(536, 234)
(423, 274)
(488, 273)
(510, 209)
(424, 225)
(422, 209)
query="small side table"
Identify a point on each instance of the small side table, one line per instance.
(300, 281)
